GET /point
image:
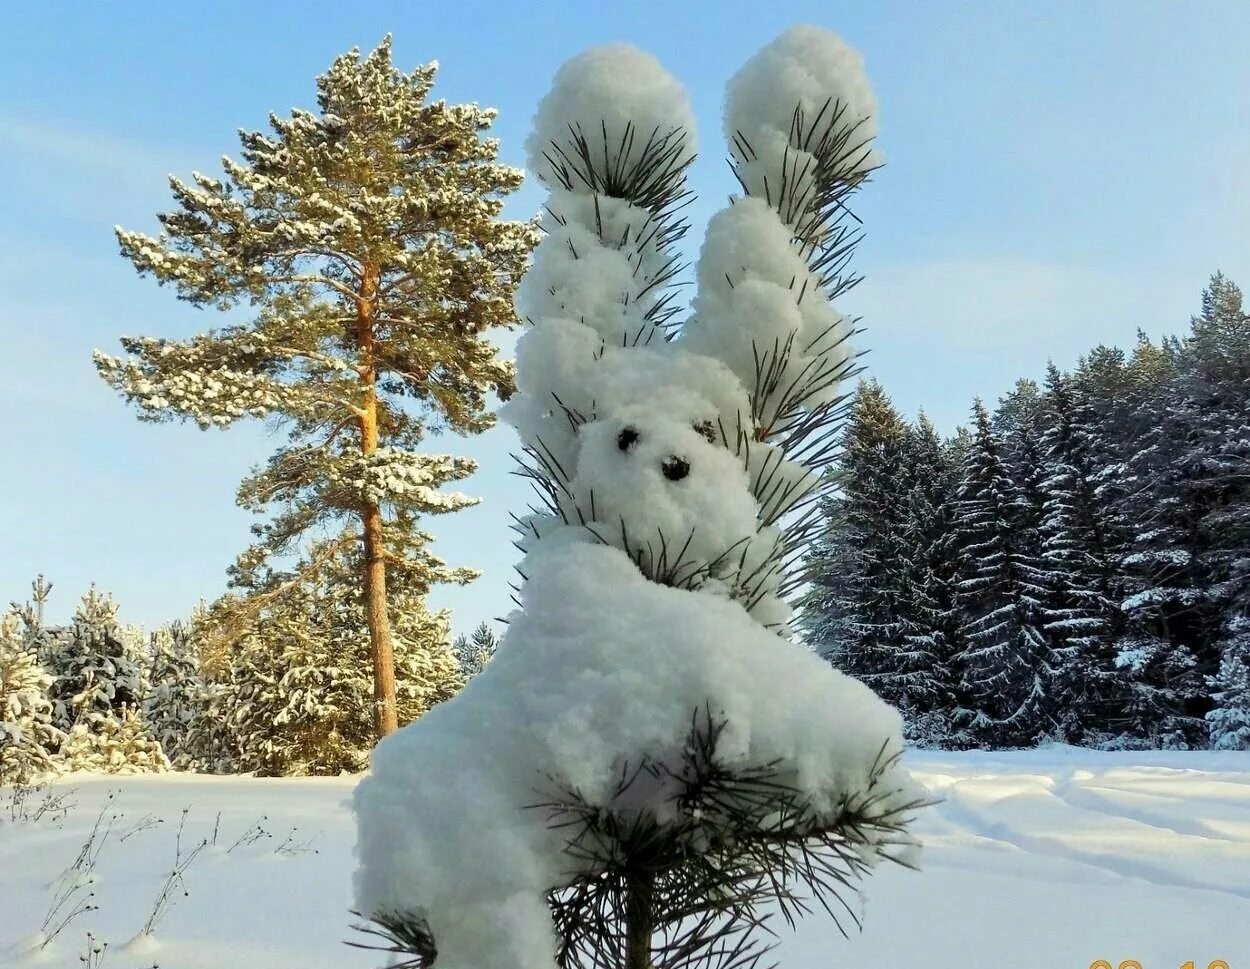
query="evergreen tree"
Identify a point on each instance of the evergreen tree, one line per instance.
(474, 651)
(367, 238)
(1000, 593)
(211, 745)
(94, 663)
(174, 693)
(289, 674)
(932, 637)
(1019, 422)
(1165, 592)
(655, 847)
(1217, 383)
(28, 738)
(116, 744)
(1229, 719)
(1080, 549)
(855, 610)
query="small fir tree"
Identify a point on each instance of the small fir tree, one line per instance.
(175, 691)
(115, 744)
(367, 238)
(28, 738)
(475, 650)
(94, 662)
(291, 681)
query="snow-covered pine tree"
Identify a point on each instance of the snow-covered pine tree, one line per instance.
(174, 692)
(367, 238)
(98, 689)
(937, 692)
(1001, 593)
(211, 745)
(28, 738)
(1217, 387)
(697, 766)
(292, 678)
(854, 611)
(94, 663)
(475, 650)
(1019, 421)
(879, 604)
(1081, 546)
(1165, 593)
(117, 743)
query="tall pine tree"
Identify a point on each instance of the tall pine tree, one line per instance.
(366, 237)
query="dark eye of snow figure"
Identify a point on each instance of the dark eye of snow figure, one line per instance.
(707, 430)
(627, 438)
(675, 468)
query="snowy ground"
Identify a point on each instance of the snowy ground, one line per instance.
(1050, 859)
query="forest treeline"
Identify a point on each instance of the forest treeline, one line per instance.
(287, 693)
(1074, 566)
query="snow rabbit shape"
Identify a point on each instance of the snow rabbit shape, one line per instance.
(656, 563)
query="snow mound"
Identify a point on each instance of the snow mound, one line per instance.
(599, 661)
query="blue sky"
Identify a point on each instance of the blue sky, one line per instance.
(1059, 175)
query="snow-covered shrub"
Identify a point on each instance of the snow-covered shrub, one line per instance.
(119, 743)
(685, 763)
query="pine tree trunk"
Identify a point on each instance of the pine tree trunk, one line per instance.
(386, 717)
(639, 920)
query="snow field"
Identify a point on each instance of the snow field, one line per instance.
(1051, 858)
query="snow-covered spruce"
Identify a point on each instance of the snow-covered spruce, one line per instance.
(647, 744)
(28, 737)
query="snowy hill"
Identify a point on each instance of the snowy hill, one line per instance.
(1050, 858)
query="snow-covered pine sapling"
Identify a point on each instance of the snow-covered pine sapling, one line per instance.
(173, 885)
(648, 765)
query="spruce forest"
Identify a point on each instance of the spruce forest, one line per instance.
(1074, 566)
